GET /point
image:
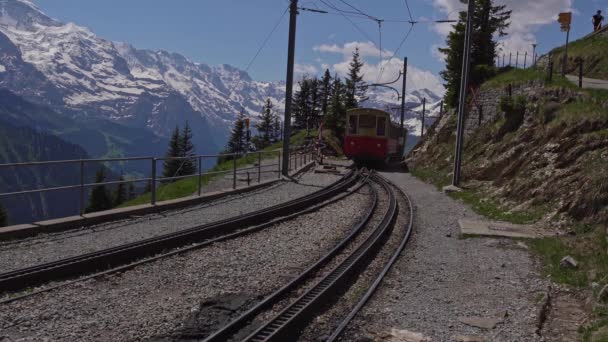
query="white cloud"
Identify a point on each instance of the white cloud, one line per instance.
(366, 49)
(388, 68)
(527, 17)
(304, 69)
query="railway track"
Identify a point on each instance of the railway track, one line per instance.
(323, 283)
(127, 255)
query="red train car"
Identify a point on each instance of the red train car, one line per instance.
(372, 136)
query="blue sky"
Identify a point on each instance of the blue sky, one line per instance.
(230, 31)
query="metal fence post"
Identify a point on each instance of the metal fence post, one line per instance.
(153, 185)
(200, 175)
(279, 165)
(525, 59)
(81, 187)
(259, 167)
(234, 172)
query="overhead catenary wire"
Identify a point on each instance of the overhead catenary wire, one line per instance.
(382, 68)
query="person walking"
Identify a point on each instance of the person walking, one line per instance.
(597, 21)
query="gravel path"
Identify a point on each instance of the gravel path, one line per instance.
(158, 298)
(51, 247)
(441, 278)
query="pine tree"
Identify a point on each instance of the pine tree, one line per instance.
(489, 22)
(120, 195)
(171, 166)
(325, 91)
(301, 109)
(3, 216)
(336, 111)
(354, 82)
(100, 198)
(314, 105)
(131, 192)
(238, 135)
(265, 125)
(186, 149)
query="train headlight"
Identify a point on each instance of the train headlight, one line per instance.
(378, 145)
(352, 143)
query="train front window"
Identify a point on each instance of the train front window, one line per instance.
(367, 121)
(352, 124)
(381, 128)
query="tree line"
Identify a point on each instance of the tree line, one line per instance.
(318, 100)
(178, 162)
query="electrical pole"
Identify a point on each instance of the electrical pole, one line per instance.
(293, 12)
(423, 114)
(464, 83)
(403, 98)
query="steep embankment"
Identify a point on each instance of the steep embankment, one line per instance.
(541, 151)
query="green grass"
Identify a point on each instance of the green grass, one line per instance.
(520, 76)
(188, 186)
(592, 50)
(551, 251)
(580, 111)
(488, 207)
(437, 178)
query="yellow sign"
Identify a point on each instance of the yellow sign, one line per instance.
(565, 19)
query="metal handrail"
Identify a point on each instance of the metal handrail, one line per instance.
(295, 154)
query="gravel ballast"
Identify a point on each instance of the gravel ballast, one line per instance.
(50, 247)
(441, 280)
(158, 298)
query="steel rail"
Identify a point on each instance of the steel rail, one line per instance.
(190, 247)
(372, 289)
(286, 326)
(120, 255)
(237, 324)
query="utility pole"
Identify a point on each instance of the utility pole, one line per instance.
(403, 92)
(534, 54)
(293, 12)
(423, 114)
(464, 83)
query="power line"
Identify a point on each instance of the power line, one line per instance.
(350, 21)
(397, 49)
(267, 39)
(407, 5)
(358, 10)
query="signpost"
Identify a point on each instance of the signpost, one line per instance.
(565, 21)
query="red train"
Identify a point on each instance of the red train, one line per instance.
(372, 136)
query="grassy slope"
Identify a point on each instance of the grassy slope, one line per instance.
(592, 50)
(188, 186)
(589, 243)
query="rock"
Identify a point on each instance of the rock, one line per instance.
(398, 335)
(448, 235)
(451, 188)
(480, 322)
(568, 262)
(594, 285)
(469, 338)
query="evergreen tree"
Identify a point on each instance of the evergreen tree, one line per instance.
(186, 149)
(3, 216)
(131, 192)
(314, 105)
(265, 125)
(489, 22)
(354, 82)
(238, 135)
(120, 195)
(325, 91)
(171, 166)
(300, 106)
(336, 111)
(100, 198)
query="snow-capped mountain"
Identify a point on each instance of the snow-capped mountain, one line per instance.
(72, 70)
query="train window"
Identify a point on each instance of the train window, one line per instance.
(352, 124)
(367, 121)
(381, 128)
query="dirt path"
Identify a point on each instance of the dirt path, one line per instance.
(589, 82)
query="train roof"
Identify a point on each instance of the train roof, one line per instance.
(368, 111)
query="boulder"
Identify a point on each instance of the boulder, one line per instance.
(568, 262)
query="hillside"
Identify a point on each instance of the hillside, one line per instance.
(22, 144)
(591, 49)
(539, 156)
